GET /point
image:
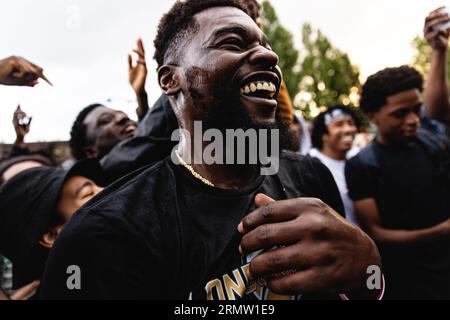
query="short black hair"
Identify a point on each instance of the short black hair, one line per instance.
(78, 138)
(320, 127)
(179, 22)
(388, 82)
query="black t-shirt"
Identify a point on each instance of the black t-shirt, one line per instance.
(162, 234)
(410, 195)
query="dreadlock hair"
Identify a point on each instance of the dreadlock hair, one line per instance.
(388, 82)
(78, 138)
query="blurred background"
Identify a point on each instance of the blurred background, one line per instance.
(327, 48)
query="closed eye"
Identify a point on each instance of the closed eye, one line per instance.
(103, 120)
(231, 44)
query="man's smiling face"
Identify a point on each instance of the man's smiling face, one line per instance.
(230, 77)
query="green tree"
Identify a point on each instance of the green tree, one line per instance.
(327, 75)
(422, 56)
(282, 42)
(324, 77)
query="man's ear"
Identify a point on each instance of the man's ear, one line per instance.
(48, 239)
(91, 152)
(169, 80)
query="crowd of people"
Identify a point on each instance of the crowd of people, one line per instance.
(135, 217)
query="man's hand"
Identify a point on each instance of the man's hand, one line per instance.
(438, 40)
(138, 72)
(17, 71)
(310, 248)
(22, 129)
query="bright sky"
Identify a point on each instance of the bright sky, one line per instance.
(82, 46)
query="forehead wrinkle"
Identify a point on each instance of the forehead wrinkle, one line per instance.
(232, 28)
(236, 19)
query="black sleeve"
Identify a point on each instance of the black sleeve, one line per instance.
(152, 143)
(160, 121)
(113, 265)
(133, 154)
(307, 177)
(360, 183)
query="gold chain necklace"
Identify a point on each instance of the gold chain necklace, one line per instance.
(192, 171)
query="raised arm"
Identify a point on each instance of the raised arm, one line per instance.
(436, 91)
(137, 76)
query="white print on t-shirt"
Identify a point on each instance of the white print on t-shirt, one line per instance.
(236, 285)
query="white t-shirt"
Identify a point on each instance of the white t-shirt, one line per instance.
(337, 168)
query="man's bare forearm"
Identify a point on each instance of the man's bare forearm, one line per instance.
(409, 238)
(143, 105)
(436, 92)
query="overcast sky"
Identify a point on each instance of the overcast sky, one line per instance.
(82, 46)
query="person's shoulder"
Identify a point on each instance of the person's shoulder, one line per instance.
(296, 160)
(303, 165)
(367, 156)
(303, 171)
(308, 176)
(130, 198)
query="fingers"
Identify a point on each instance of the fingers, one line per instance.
(434, 19)
(279, 211)
(20, 114)
(262, 200)
(304, 282)
(269, 235)
(140, 47)
(130, 62)
(25, 73)
(141, 58)
(294, 258)
(437, 10)
(45, 79)
(140, 53)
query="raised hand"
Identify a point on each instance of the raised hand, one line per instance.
(17, 71)
(437, 39)
(137, 71)
(21, 124)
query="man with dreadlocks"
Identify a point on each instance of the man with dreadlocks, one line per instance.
(208, 231)
(400, 185)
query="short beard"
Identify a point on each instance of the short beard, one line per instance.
(224, 110)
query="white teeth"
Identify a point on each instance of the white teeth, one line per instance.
(273, 88)
(260, 86)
